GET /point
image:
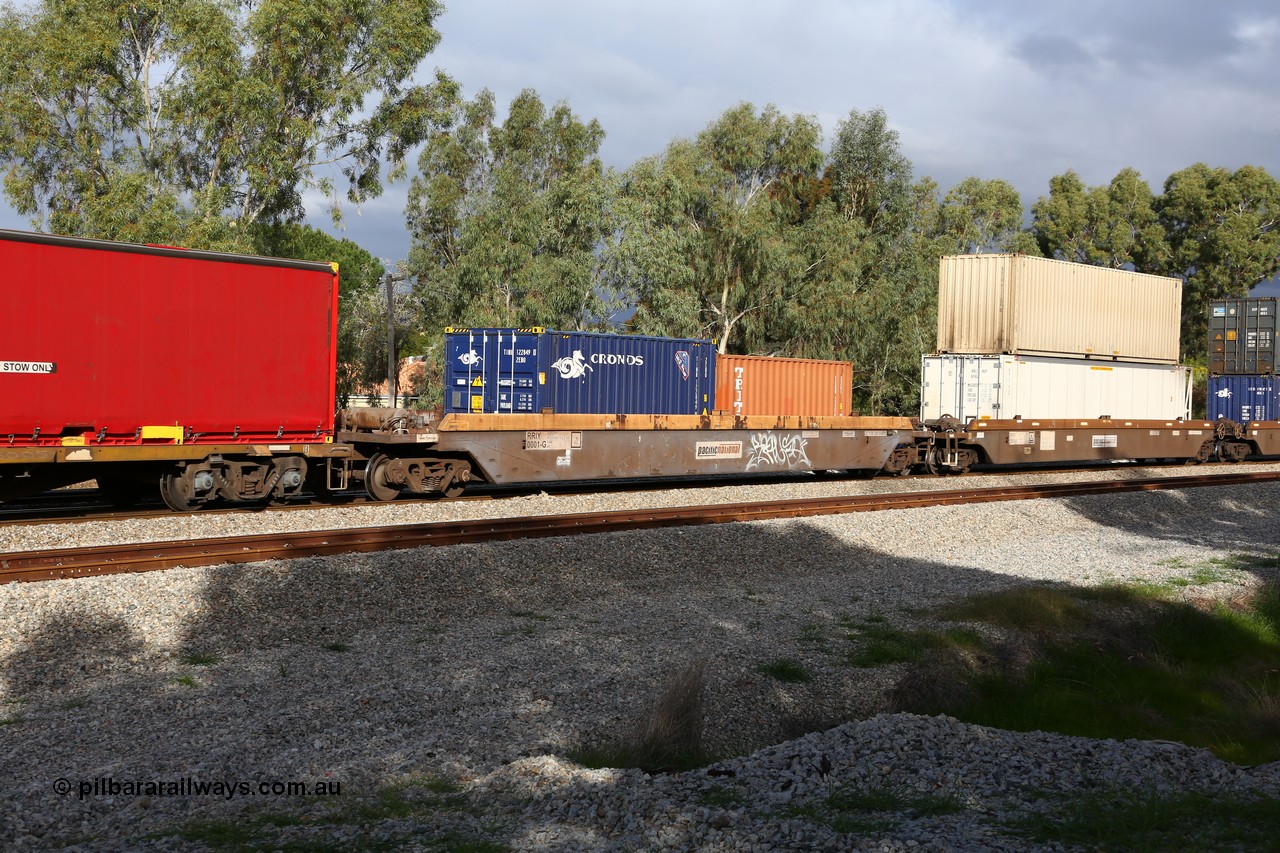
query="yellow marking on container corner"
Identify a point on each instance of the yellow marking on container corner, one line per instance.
(73, 441)
(176, 433)
(1102, 368)
(333, 265)
(455, 330)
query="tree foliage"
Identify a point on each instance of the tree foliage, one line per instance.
(223, 107)
(507, 219)
(1223, 237)
(878, 300)
(983, 216)
(712, 231)
(1113, 226)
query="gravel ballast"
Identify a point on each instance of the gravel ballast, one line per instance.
(453, 682)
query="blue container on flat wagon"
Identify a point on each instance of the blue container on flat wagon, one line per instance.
(532, 370)
(1243, 398)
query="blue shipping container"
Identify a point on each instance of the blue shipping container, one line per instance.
(1243, 398)
(535, 370)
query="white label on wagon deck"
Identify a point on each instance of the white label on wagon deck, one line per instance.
(1018, 437)
(1104, 441)
(28, 367)
(718, 450)
(876, 433)
(849, 433)
(549, 440)
(1048, 439)
(809, 433)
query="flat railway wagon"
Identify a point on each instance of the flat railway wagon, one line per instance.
(397, 452)
(203, 374)
(954, 447)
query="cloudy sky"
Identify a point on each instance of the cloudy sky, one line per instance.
(993, 88)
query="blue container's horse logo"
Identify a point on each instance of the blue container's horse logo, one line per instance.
(572, 367)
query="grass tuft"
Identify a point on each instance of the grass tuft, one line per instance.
(1144, 823)
(786, 670)
(414, 800)
(668, 739)
(198, 658)
(1113, 662)
(861, 811)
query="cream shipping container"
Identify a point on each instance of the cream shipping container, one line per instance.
(1009, 386)
(1015, 304)
(759, 385)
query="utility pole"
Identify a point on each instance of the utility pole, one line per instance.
(393, 375)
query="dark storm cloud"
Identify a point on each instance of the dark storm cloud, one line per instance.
(997, 89)
(1054, 54)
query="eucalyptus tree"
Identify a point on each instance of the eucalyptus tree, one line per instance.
(1112, 226)
(1223, 232)
(710, 230)
(141, 118)
(983, 216)
(508, 219)
(878, 308)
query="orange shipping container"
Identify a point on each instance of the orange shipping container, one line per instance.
(759, 385)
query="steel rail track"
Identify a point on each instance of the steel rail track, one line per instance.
(148, 556)
(81, 505)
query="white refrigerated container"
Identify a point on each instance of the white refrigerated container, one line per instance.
(1008, 386)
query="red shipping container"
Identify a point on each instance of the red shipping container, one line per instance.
(111, 343)
(759, 385)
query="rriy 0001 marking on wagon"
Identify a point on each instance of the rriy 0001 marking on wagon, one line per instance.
(1026, 441)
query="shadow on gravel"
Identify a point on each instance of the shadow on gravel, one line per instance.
(72, 651)
(444, 664)
(1241, 518)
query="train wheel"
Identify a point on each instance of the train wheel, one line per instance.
(459, 475)
(376, 480)
(1204, 454)
(176, 492)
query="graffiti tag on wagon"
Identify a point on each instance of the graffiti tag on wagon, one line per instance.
(774, 449)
